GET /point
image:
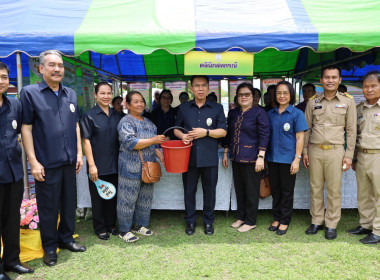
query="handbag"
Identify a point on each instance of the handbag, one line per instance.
(150, 171)
(265, 189)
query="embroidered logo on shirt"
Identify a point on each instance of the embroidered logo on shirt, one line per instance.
(14, 124)
(72, 107)
(286, 127)
(340, 106)
(209, 121)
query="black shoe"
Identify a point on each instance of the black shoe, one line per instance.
(50, 258)
(330, 233)
(209, 229)
(273, 228)
(72, 246)
(282, 231)
(114, 231)
(19, 268)
(313, 229)
(359, 230)
(371, 239)
(190, 229)
(3, 276)
(103, 236)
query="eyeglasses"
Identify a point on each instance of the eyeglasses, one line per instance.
(283, 93)
(245, 94)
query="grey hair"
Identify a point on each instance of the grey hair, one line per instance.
(47, 52)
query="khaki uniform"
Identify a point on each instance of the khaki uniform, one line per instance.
(328, 120)
(368, 165)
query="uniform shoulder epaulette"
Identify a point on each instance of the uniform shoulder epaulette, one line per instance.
(349, 96)
(313, 97)
(360, 104)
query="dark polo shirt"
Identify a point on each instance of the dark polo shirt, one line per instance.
(54, 123)
(204, 152)
(10, 151)
(101, 130)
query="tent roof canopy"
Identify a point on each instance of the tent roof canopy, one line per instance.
(161, 65)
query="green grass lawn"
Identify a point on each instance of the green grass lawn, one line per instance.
(228, 254)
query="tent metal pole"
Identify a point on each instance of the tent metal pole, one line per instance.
(24, 163)
(111, 75)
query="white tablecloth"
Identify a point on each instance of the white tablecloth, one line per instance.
(168, 193)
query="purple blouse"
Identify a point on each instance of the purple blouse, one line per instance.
(247, 133)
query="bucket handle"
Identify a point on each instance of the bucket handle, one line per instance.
(174, 127)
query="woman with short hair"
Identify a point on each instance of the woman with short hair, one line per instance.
(246, 142)
(134, 199)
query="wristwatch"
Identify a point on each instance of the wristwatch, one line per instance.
(299, 156)
(208, 132)
(260, 156)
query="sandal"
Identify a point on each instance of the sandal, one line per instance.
(245, 228)
(237, 224)
(143, 231)
(129, 237)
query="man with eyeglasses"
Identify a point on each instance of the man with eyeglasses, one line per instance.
(52, 142)
(328, 115)
(205, 122)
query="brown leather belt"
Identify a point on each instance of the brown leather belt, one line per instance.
(369, 151)
(326, 147)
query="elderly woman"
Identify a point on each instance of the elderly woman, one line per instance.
(164, 116)
(284, 154)
(247, 139)
(101, 148)
(134, 199)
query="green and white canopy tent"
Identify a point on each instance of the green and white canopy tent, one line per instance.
(147, 39)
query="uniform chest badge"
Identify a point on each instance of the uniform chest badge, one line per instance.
(286, 127)
(209, 121)
(14, 124)
(340, 106)
(72, 107)
(317, 100)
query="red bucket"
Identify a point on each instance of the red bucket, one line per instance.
(176, 155)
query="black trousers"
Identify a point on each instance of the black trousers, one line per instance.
(10, 202)
(247, 188)
(103, 211)
(209, 177)
(57, 194)
(282, 185)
